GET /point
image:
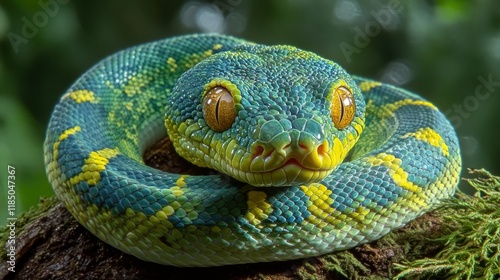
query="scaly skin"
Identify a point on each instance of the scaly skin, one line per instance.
(302, 187)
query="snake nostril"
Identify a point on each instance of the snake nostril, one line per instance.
(263, 151)
(303, 146)
(258, 151)
(321, 149)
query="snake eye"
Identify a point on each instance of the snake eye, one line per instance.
(343, 107)
(218, 109)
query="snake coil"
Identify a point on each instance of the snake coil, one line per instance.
(320, 160)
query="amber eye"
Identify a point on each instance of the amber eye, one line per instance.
(218, 109)
(343, 107)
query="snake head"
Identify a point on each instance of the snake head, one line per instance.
(266, 115)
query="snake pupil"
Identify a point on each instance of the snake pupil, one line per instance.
(342, 109)
(217, 104)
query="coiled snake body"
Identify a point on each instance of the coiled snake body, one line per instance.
(310, 159)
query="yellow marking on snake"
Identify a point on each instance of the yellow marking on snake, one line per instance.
(320, 206)
(164, 213)
(389, 109)
(339, 151)
(359, 128)
(179, 184)
(368, 85)
(136, 83)
(80, 96)
(172, 64)
(93, 165)
(196, 57)
(322, 212)
(62, 137)
(359, 215)
(258, 207)
(430, 136)
(398, 174)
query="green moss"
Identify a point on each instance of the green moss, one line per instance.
(23, 220)
(471, 241)
(345, 264)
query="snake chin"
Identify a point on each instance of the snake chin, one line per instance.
(288, 174)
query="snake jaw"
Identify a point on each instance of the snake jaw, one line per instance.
(301, 164)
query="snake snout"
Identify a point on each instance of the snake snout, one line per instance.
(293, 147)
(299, 161)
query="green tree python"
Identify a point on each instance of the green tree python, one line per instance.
(308, 158)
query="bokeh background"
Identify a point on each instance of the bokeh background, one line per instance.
(447, 50)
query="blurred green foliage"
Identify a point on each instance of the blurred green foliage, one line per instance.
(448, 51)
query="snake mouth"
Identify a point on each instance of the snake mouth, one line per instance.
(296, 162)
(263, 166)
(291, 172)
(293, 161)
(266, 166)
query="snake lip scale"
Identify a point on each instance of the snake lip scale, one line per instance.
(321, 160)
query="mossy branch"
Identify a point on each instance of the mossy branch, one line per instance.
(472, 238)
(461, 240)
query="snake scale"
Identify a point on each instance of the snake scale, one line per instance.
(308, 158)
